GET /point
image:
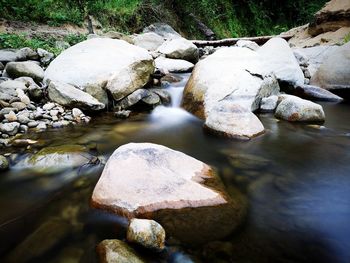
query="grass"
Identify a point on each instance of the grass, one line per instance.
(16, 41)
(347, 38)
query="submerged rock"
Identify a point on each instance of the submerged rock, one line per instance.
(106, 63)
(295, 109)
(233, 121)
(57, 158)
(4, 164)
(147, 233)
(117, 251)
(151, 181)
(42, 240)
(25, 69)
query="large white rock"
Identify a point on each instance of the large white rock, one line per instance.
(179, 48)
(295, 109)
(69, 96)
(103, 63)
(334, 72)
(173, 65)
(150, 41)
(279, 59)
(151, 181)
(232, 75)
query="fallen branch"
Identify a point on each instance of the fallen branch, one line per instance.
(232, 41)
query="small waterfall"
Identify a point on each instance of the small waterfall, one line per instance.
(173, 114)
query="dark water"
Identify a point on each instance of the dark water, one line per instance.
(296, 179)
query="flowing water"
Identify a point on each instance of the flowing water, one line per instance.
(295, 179)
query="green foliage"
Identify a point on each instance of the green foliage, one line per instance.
(226, 18)
(347, 38)
(16, 41)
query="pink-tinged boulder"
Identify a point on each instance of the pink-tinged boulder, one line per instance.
(143, 180)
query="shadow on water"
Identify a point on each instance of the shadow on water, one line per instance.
(296, 179)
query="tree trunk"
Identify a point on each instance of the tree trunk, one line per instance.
(232, 41)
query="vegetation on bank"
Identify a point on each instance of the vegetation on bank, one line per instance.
(16, 41)
(226, 18)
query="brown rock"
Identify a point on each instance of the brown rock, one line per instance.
(181, 193)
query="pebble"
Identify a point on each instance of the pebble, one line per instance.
(41, 126)
(77, 113)
(11, 116)
(19, 105)
(32, 124)
(23, 128)
(54, 112)
(49, 106)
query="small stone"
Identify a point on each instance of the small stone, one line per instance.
(117, 251)
(269, 104)
(147, 233)
(123, 114)
(23, 128)
(9, 128)
(4, 164)
(54, 118)
(18, 105)
(77, 113)
(57, 124)
(32, 124)
(23, 119)
(41, 126)
(53, 112)
(11, 116)
(49, 106)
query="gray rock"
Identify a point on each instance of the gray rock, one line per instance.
(18, 105)
(173, 65)
(315, 93)
(147, 233)
(133, 98)
(295, 109)
(334, 73)
(162, 29)
(269, 104)
(45, 56)
(7, 56)
(150, 41)
(27, 54)
(279, 59)
(23, 128)
(32, 124)
(69, 96)
(9, 128)
(301, 57)
(163, 94)
(11, 116)
(152, 99)
(22, 119)
(4, 164)
(180, 48)
(123, 114)
(248, 44)
(233, 121)
(41, 126)
(117, 251)
(49, 106)
(112, 64)
(25, 69)
(98, 93)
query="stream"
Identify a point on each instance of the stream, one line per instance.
(295, 178)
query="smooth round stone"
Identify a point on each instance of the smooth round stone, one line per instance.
(32, 124)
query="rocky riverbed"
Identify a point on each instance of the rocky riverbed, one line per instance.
(146, 148)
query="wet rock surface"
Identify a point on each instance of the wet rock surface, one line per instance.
(176, 194)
